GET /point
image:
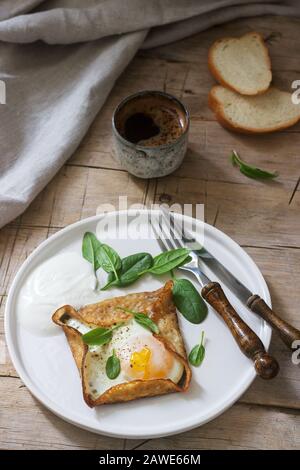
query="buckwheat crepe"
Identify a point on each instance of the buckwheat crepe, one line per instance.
(159, 307)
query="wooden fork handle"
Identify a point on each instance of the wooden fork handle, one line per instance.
(287, 332)
(249, 343)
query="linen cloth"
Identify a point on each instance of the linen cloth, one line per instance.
(59, 60)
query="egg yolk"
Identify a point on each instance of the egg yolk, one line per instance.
(147, 358)
(139, 361)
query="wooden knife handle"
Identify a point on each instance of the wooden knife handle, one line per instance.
(249, 343)
(287, 332)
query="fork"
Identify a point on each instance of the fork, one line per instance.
(249, 343)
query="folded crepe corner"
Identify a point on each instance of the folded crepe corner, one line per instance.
(159, 306)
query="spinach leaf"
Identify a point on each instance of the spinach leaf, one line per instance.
(250, 171)
(143, 320)
(113, 366)
(131, 268)
(146, 322)
(197, 354)
(99, 336)
(188, 301)
(134, 265)
(109, 259)
(168, 260)
(90, 247)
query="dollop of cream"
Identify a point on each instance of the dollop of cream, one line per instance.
(65, 278)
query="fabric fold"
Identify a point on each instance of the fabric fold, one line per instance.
(59, 60)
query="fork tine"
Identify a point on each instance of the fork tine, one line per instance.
(160, 241)
(175, 234)
(186, 237)
(170, 242)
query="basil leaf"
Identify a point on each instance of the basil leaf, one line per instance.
(131, 269)
(90, 247)
(113, 366)
(197, 354)
(99, 336)
(251, 171)
(168, 260)
(143, 320)
(109, 259)
(188, 301)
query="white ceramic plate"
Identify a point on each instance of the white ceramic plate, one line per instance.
(46, 366)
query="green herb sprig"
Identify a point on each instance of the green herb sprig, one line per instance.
(250, 171)
(197, 354)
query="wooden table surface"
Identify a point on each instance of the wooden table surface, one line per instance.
(264, 218)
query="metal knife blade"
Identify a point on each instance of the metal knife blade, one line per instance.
(236, 286)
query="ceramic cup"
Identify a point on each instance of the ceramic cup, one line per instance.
(156, 160)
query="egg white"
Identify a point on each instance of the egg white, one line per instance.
(122, 338)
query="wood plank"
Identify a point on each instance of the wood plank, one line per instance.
(262, 216)
(76, 193)
(6, 367)
(26, 424)
(241, 427)
(210, 147)
(24, 241)
(284, 390)
(281, 269)
(7, 241)
(175, 191)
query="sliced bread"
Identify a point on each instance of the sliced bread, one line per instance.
(269, 112)
(241, 64)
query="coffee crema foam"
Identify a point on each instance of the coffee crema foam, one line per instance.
(151, 120)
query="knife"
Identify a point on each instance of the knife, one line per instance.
(254, 302)
(247, 340)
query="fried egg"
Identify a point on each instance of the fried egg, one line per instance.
(142, 357)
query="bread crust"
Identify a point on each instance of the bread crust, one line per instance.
(218, 75)
(217, 107)
(160, 307)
